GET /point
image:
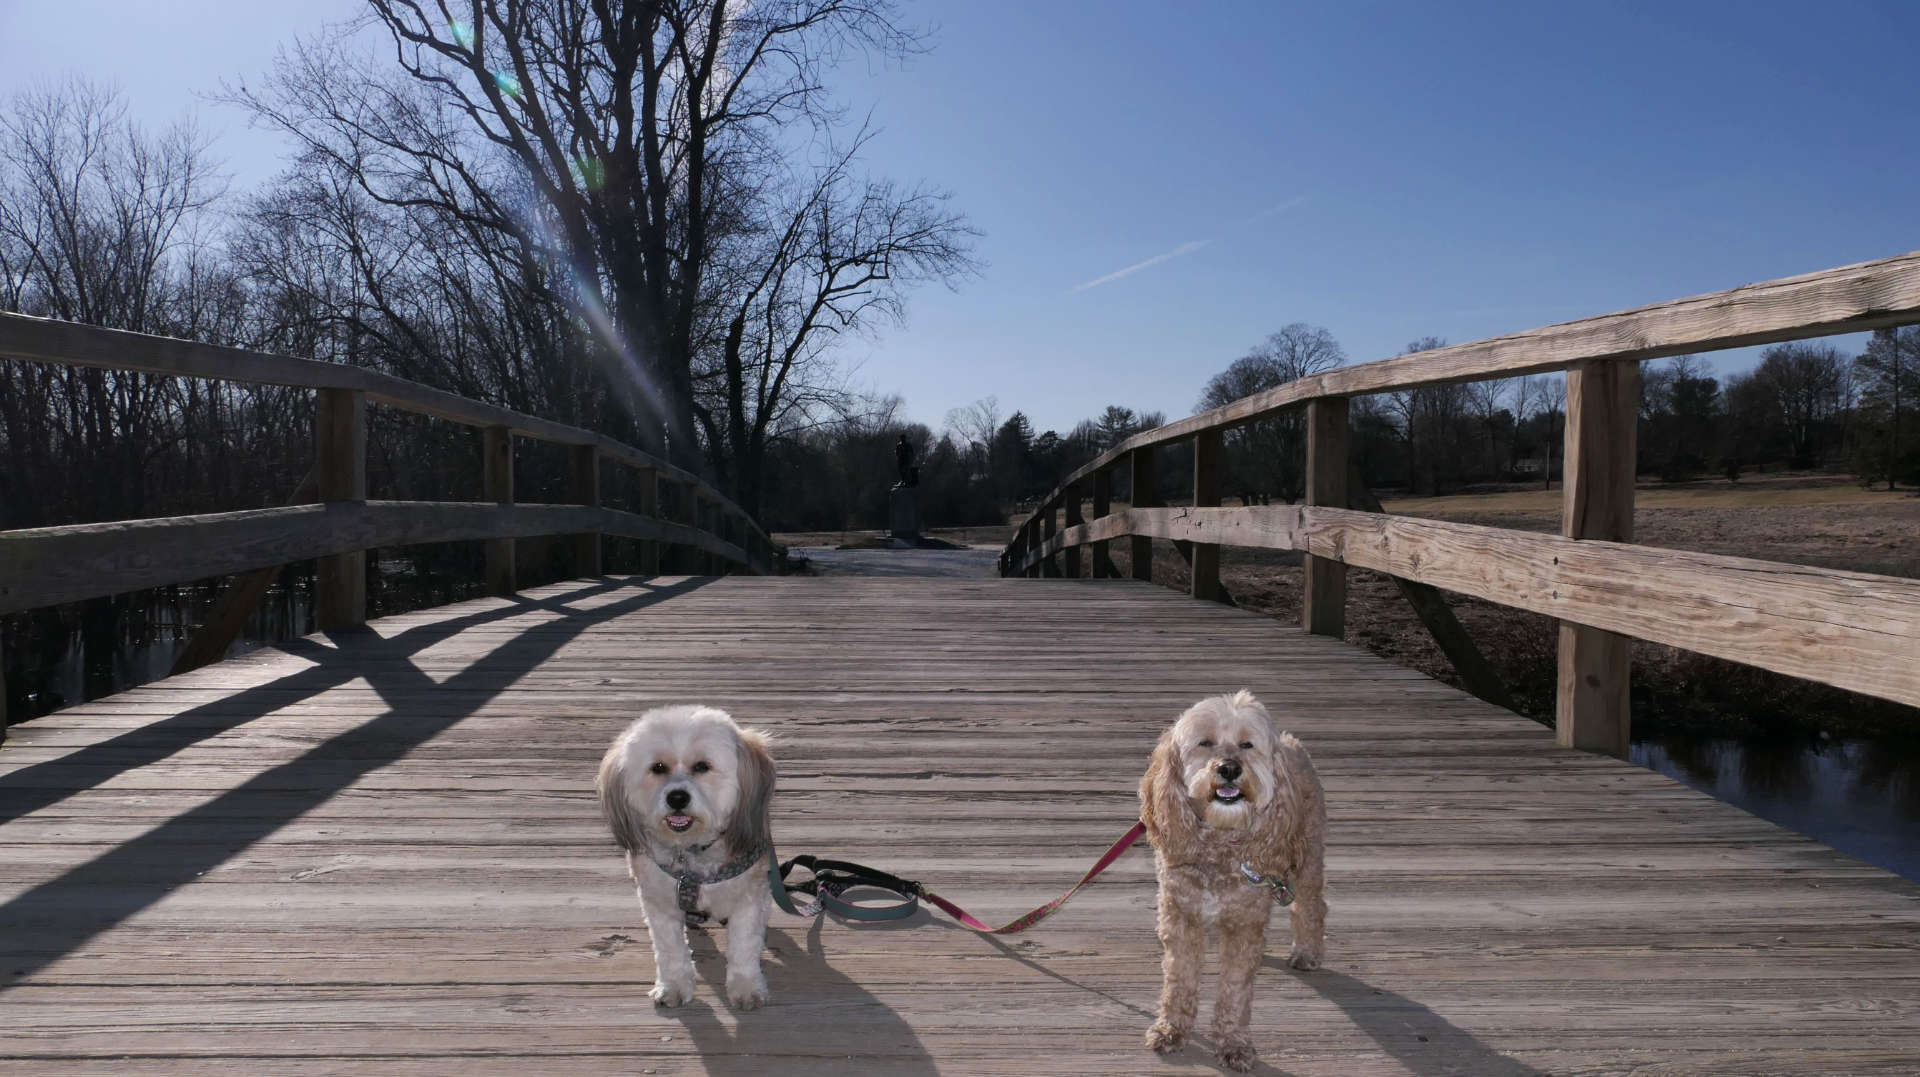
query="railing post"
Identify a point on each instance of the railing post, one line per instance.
(1591, 707)
(1323, 602)
(3, 690)
(703, 514)
(1207, 447)
(649, 506)
(497, 479)
(1103, 568)
(340, 472)
(1145, 496)
(583, 488)
(1074, 519)
(1049, 567)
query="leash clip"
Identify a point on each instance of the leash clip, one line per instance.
(1282, 893)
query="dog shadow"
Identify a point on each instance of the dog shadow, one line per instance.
(1199, 1046)
(1416, 1037)
(807, 1022)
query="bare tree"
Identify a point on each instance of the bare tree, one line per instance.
(1889, 376)
(1268, 458)
(1807, 389)
(838, 254)
(1430, 418)
(631, 129)
(101, 222)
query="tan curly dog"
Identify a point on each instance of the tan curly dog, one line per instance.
(1228, 795)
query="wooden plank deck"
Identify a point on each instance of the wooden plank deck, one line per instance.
(381, 854)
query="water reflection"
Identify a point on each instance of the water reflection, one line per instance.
(1861, 797)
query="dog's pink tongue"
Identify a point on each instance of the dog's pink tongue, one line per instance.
(1227, 791)
(679, 820)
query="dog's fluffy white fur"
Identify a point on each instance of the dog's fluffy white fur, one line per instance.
(1227, 788)
(686, 786)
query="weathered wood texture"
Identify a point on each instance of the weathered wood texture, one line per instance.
(1073, 518)
(382, 855)
(1429, 604)
(1204, 557)
(649, 506)
(1103, 566)
(46, 340)
(1145, 494)
(496, 453)
(1851, 629)
(1855, 298)
(583, 488)
(340, 476)
(1603, 402)
(50, 565)
(1323, 599)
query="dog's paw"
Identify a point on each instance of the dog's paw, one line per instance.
(747, 993)
(1304, 958)
(1164, 1037)
(671, 993)
(1236, 1053)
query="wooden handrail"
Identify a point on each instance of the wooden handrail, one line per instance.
(1853, 630)
(1848, 629)
(1850, 299)
(46, 566)
(47, 340)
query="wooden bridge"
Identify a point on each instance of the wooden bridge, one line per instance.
(375, 850)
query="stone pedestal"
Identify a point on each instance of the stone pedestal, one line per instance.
(905, 502)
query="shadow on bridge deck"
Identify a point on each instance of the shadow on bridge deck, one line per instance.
(380, 853)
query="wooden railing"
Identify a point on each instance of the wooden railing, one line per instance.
(1849, 629)
(51, 565)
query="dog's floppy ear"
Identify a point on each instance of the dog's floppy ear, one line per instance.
(1164, 805)
(612, 784)
(752, 816)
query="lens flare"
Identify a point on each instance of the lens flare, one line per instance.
(462, 33)
(507, 83)
(624, 369)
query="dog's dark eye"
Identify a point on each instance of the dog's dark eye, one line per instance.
(702, 767)
(658, 768)
(1206, 744)
(1246, 745)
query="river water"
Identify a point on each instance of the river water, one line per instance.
(1861, 797)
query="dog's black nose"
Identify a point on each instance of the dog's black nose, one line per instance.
(1228, 770)
(678, 798)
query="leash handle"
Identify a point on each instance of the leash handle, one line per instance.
(833, 877)
(830, 879)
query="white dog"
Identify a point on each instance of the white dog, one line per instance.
(1238, 822)
(686, 792)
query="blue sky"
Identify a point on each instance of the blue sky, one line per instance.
(1386, 170)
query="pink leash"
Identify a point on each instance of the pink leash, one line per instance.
(1044, 911)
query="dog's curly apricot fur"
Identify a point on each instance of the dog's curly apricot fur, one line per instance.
(1226, 787)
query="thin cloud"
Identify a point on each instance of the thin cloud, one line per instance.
(1292, 203)
(1184, 248)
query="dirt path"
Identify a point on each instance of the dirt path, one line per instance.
(969, 561)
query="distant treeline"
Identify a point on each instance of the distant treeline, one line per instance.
(1804, 406)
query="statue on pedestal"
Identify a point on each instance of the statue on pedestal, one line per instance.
(903, 459)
